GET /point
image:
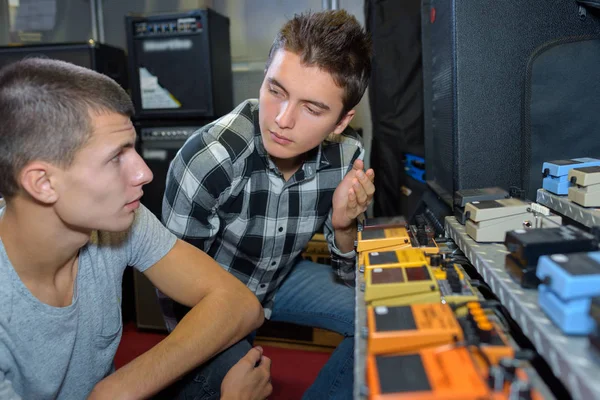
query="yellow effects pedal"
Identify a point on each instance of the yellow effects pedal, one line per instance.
(385, 283)
(382, 238)
(403, 257)
(453, 288)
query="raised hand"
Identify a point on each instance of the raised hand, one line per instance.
(352, 196)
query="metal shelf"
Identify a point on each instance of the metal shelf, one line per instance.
(562, 205)
(360, 344)
(568, 356)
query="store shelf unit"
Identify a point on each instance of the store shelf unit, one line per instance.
(562, 205)
(568, 357)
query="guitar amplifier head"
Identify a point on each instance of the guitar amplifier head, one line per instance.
(180, 64)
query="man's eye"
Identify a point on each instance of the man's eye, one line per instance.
(313, 111)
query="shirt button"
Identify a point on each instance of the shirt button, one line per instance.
(280, 229)
(274, 263)
(262, 285)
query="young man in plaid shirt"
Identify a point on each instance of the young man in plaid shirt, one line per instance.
(252, 188)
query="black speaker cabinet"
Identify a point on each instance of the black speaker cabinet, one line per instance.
(507, 85)
(180, 64)
(107, 60)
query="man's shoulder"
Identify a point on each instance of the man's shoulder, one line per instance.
(234, 132)
(350, 137)
(346, 144)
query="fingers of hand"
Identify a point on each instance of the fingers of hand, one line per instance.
(268, 390)
(254, 355)
(364, 189)
(358, 165)
(265, 366)
(266, 363)
(371, 174)
(352, 200)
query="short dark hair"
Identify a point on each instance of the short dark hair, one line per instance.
(45, 108)
(333, 41)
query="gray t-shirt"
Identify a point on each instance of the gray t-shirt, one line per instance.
(61, 353)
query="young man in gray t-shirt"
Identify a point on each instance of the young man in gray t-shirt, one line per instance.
(72, 222)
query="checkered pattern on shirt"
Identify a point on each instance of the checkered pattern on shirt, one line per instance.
(225, 196)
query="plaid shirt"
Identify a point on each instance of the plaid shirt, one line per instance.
(225, 196)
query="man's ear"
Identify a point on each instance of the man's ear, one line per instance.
(36, 178)
(344, 121)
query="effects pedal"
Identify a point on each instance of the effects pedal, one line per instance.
(462, 197)
(490, 220)
(594, 336)
(571, 317)
(446, 373)
(383, 223)
(562, 167)
(384, 285)
(453, 287)
(411, 328)
(586, 196)
(585, 190)
(523, 275)
(526, 246)
(571, 276)
(556, 173)
(405, 257)
(493, 209)
(428, 374)
(405, 328)
(373, 239)
(570, 282)
(587, 176)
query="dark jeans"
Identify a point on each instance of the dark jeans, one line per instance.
(311, 296)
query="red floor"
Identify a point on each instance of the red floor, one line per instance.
(292, 371)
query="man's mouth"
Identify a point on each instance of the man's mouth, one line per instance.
(279, 138)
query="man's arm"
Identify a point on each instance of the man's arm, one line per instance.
(350, 199)
(223, 312)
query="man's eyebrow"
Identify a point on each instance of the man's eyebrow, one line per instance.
(319, 104)
(125, 144)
